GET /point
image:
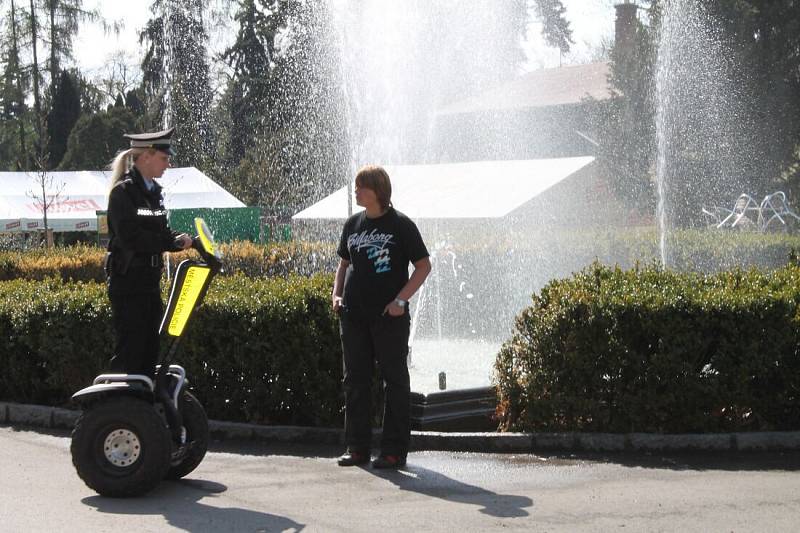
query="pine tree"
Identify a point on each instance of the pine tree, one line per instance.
(248, 89)
(64, 113)
(176, 77)
(626, 123)
(306, 121)
(764, 35)
(757, 80)
(555, 27)
(135, 102)
(63, 18)
(96, 138)
(14, 88)
(36, 74)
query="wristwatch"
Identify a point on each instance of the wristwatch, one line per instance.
(400, 303)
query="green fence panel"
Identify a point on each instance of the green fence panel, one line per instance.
(227, 223)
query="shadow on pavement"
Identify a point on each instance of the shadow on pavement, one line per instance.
(430, 483)
(721, 460)
(179, 502)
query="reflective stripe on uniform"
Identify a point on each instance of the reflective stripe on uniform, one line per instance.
(150, 212)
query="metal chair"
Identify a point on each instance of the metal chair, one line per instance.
(715, 215)
(775, 208)
(738, 216)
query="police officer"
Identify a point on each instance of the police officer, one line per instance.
(139, 234)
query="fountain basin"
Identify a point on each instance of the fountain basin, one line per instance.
(469, 402)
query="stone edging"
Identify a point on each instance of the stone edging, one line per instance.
(58, 418)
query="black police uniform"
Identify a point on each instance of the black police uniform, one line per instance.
(137, 224)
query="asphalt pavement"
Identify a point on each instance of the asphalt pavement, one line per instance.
(264, 486)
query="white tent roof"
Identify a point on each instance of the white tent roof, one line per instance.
(481, 189)
(83, 193)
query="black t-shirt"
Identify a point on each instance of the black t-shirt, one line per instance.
(379, 251)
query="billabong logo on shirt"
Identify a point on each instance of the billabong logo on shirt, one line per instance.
(376, 245)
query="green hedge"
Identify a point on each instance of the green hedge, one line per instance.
(85, 262)
(263, 351)
(653, 351)
(604, 350)
(550, 254)
(268, 351)
(79, 263)
(55, 337)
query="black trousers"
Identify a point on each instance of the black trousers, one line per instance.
(137, 318)
(365, 341)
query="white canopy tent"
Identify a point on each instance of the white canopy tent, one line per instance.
(481, 189)
(81, 194)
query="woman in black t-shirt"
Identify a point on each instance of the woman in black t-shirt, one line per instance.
(370, 294)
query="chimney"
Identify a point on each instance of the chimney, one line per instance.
(625, 30)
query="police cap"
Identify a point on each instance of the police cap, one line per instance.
(160, 140)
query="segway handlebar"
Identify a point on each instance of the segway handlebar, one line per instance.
(205, 245)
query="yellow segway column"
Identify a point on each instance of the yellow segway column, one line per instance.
(191, 282)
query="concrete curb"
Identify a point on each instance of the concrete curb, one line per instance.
(58, 418)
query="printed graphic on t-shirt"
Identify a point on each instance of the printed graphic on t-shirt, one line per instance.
(376, 245)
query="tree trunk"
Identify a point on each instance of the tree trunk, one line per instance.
(43, 177)
(37, 106)
(51, 7)
(22, 162)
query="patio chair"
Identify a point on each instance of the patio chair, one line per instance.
(773, 210)
(738, 216)
(715, 215)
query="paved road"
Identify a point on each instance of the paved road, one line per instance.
(254, 487)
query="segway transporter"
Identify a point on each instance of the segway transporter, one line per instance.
(135, 431)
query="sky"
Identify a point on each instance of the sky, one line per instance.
(592, 23)
(92, 48)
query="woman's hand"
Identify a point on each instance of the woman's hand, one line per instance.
(338, 285)
(184, 241)
(393, 309)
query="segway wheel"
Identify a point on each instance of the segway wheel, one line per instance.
(190, 455)
(121, 447)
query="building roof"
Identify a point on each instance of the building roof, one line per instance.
(540, 88)
(479, 189)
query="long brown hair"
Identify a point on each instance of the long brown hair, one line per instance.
(376, 178)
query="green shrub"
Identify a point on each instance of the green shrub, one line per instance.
(274, 259)
(55, 337)
(268, 351)
(77, 263)
(262, 350)
(85, 263)
(655, 351)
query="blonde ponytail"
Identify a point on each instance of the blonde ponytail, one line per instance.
(122, 163)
